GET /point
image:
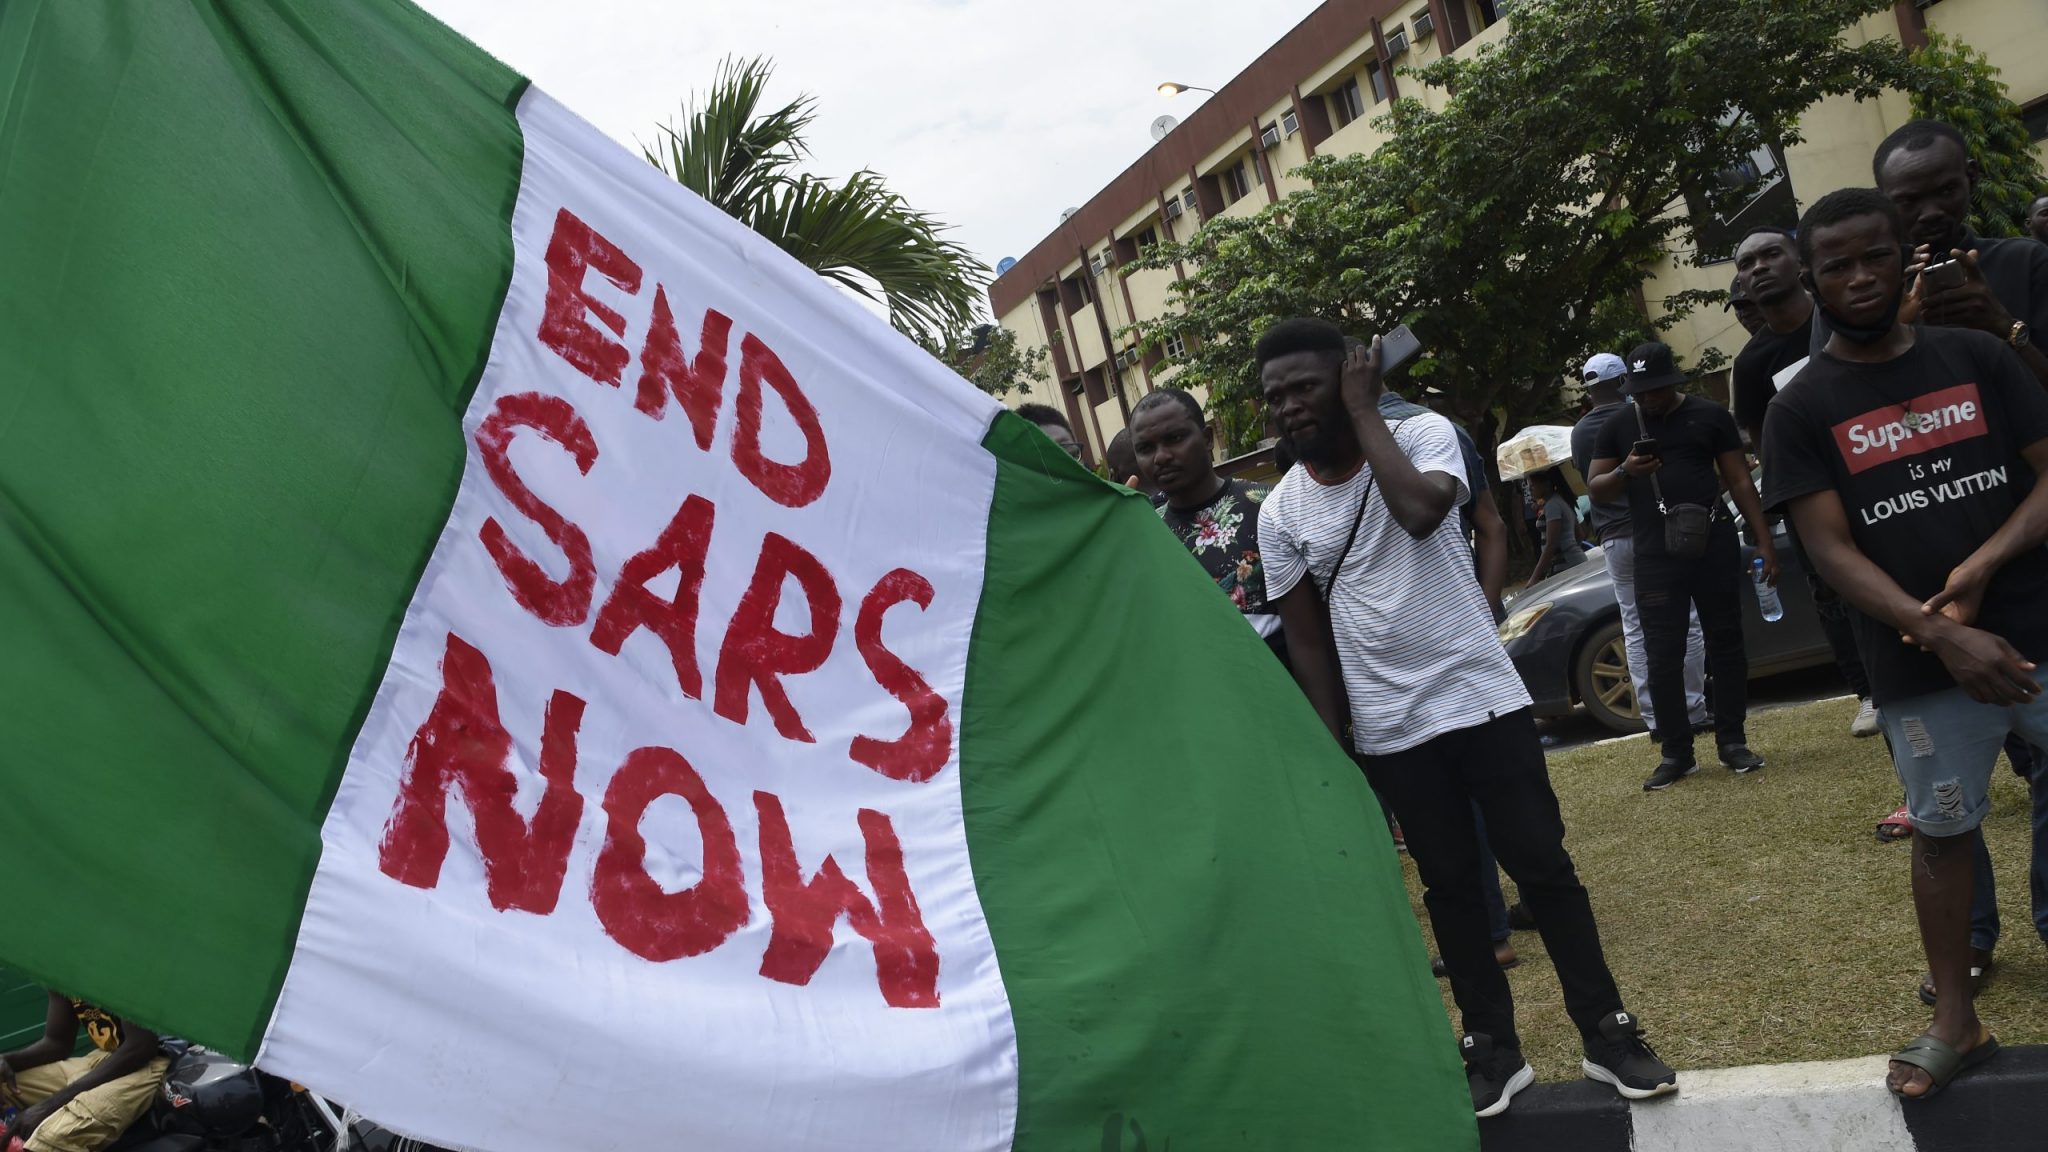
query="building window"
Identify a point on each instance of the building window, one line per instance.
(2036, 116)
(1235, 184)
(1290, 123)
(1345, 104)
(1149, 238)
(1378, 76)
(1175, 347)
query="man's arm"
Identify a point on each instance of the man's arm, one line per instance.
(1735, 475)
(138, 1048)
(1418, 501)
(1608, 483)
(60, 1033)
(1313, 653)
(1984, 665)
(1490, 548)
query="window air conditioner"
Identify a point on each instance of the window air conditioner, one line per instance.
(1398, 42)
(1425, 25)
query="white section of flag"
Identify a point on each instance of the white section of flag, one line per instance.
(431, 1011)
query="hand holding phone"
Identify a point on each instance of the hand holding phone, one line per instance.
(1397, 348)
(1645, 447)
(1944, 276)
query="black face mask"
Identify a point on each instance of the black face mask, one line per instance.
(1855, 333)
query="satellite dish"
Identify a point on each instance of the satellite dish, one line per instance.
(1005, 264)
(1068, 214)
(1162, 126)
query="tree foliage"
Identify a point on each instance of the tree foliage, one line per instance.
(1513, 228)
(1956, 84)
(991, 359)
(746, 160)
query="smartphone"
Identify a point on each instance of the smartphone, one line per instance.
(1943, 276)
(1645, 447)
(1397, 348)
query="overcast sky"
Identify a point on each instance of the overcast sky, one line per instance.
(993, 115)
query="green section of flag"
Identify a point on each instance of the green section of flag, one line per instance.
(1196, 907)
(254, 255)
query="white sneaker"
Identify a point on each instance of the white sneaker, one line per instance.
(1865, 723)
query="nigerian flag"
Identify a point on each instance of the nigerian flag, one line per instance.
(495, 641)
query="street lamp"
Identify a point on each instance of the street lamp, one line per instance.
(1172, 89)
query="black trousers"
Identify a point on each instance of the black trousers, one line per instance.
(1712, 585)
(1833, 612)
(1497, 766)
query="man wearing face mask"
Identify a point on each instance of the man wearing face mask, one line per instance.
(1909, 459)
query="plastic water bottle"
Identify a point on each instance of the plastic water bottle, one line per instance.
(1767, 600)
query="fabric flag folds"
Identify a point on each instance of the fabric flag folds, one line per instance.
(490, 638)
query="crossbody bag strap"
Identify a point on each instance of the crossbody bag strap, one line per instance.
(1352, 537)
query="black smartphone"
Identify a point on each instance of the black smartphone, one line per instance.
(1943, 276)
(1397, 348)
(1645, 447)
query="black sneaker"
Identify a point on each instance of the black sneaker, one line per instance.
(1668, 773)
(1624, 1059)
(1740, 758)
(1495, 1074)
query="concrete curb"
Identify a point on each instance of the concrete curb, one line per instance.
(1838, 1106)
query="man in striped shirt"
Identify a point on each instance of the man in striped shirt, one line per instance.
(1390, 630)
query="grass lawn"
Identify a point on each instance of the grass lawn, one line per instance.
(1757, 919)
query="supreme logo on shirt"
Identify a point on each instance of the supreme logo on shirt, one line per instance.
(1897, 431)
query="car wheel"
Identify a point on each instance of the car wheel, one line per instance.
(1600, 678)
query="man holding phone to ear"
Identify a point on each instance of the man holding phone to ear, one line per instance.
(1387, 628)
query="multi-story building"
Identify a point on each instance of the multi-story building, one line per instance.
(1317, 90)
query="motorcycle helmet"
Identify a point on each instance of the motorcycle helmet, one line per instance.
(212, 1095)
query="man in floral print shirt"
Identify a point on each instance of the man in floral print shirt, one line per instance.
(1217, 519)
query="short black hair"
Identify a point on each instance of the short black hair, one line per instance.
(1913, 136)
(1765, 230)
(1043, 415)
(1178, 396)
(1553, 477)
(1847, 204)
(1301, 334)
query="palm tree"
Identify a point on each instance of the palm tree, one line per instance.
(857, 232)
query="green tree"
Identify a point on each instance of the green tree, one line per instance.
(745, 160)
(1513, 229)
(991, 359)
(1957, 85)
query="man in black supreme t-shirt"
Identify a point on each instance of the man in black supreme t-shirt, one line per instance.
(1673, 450)
(1908, 459)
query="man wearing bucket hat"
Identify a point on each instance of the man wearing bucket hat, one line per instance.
(1671, 461)
(1603, 375)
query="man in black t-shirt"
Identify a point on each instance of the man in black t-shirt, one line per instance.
(1908, 459)
(1768, 261)
(1682, 450)
(1926, 169)
(1603, 376)
(1216, 519)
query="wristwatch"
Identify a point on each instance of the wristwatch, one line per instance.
(2022, 334)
